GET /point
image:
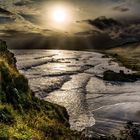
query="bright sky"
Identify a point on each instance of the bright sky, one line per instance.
(60, 16)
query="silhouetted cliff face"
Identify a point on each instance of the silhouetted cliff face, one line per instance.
(13, 84)
(22, 115)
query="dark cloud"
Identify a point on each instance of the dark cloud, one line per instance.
(23, 40)
(103, 39)
(119, 32)
(104, 33)
(6, 19)
(36, 40)
(10, 33)
(35, 19)
(121, 8)
(6, 12)
(22, 3)
(87, 33)
(104, 23)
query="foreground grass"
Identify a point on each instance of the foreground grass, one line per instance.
(22, 115)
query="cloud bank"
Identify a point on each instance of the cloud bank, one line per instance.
(101, 22)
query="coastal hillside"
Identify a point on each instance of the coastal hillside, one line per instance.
(127, 55)
(22, 115)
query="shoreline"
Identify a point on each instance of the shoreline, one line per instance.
(75, 64)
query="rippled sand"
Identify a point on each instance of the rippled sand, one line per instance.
(73, 79)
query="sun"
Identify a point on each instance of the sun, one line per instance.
(59, 15)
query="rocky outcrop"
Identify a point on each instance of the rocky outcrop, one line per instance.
(120, 77)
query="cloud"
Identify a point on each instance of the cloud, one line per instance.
(103, 23)
(11, 32)
(119, 33)
(121, 8)
(24, 21)
(6, 12)
(35, 19)
(24, 40)
(22, 3)
(6, 19)
(114, 32)
(35, 40)
(87, 33)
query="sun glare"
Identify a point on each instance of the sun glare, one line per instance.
(59, 15)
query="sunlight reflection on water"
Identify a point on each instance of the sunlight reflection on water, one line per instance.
(71, 79)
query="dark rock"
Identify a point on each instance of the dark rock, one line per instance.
(6, 54)
(120, 77)
(3, 46)
(105, 56)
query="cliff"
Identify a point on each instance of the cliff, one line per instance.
(22, 115)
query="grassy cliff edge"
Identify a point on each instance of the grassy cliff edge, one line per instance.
(22, 115)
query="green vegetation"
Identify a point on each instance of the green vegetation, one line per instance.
(129, 56)
(22, 115)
